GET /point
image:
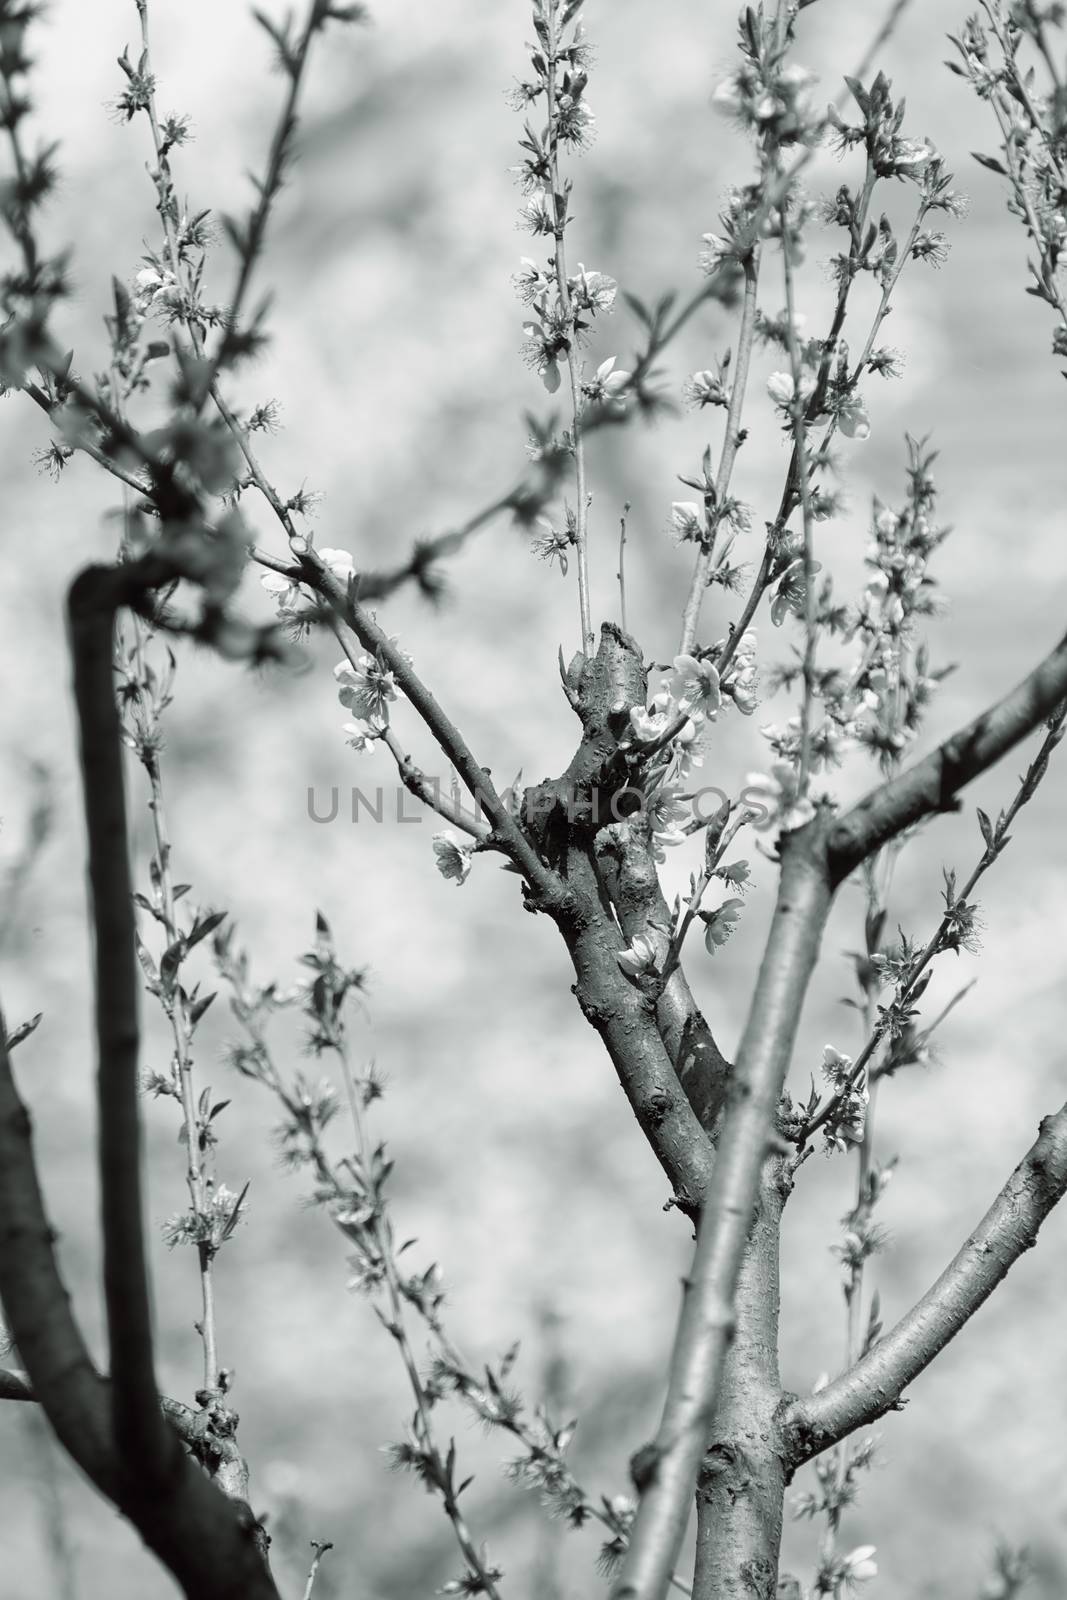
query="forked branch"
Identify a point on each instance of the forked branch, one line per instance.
(874, 1385)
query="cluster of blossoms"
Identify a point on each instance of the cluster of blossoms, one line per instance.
(159, 291)
(366, 687)
(693, 523)
(769, 94)
(862, 1237)
(878, 703)
(846, 408)
(212, 1226)
(688, 700)
(563, 305)
(559, 321)
(1033, 129)
(883, 704)
(290, 598)
(838, 1488)
(850, 1095)
(846, 1125)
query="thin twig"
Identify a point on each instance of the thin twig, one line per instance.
(320, 1550)
(731, 445)
(800, 445)
(994, 847)
(507, 833)
(416, 781)
(622, 567)
(558, 197)
(176, 1009)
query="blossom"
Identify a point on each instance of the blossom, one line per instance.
(153, 286)
(729, 96)
(594, 291)
(360, 735)
(651, 723)
(912, 153)
(695, 686)
(366, 688)
(453, 858)
(340, 563)
(720, 924)
(716, 250)
(552, 545)
(638, 958)
(850, 1116)
(529, 282)
(930, 246)
(211, 1224)
(666, 813)
(705, 388)
(794, 76)
(782, 389)
(859, 1565)
(742, 681)
(887, 363)
(777, 793)
(852, 418)
(791, 592)
(284, 592)
(538, 215)
(647, 726)
(687, 520)
(836, 1066)
(607, 386)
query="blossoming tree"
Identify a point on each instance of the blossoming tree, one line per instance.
(587, 846)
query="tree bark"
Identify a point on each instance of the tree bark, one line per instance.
(741, 1485)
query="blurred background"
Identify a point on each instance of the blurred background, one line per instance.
(395, 360)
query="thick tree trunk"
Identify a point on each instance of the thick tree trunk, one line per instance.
(741, 1487)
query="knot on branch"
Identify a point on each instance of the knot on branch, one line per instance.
(593, 791)
(724, 1471)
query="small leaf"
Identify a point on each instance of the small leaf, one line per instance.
(203, 926)
(991, 162)
(173, 956)
(234, 1216)
(200, 1007)
(148, 966)
(23, 1031)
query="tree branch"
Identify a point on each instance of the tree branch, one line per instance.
(625, 1020)
(546, 884)
(38, 1312)
(140, 1431)
(740, 1488)
(874, 1385)
(706, 1324)
(589, 822)
(208, 1541)
(933, 783)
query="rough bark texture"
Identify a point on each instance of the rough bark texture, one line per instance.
(707, 1322)
(742, 1476)
(587, 826)
(626, 1021)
